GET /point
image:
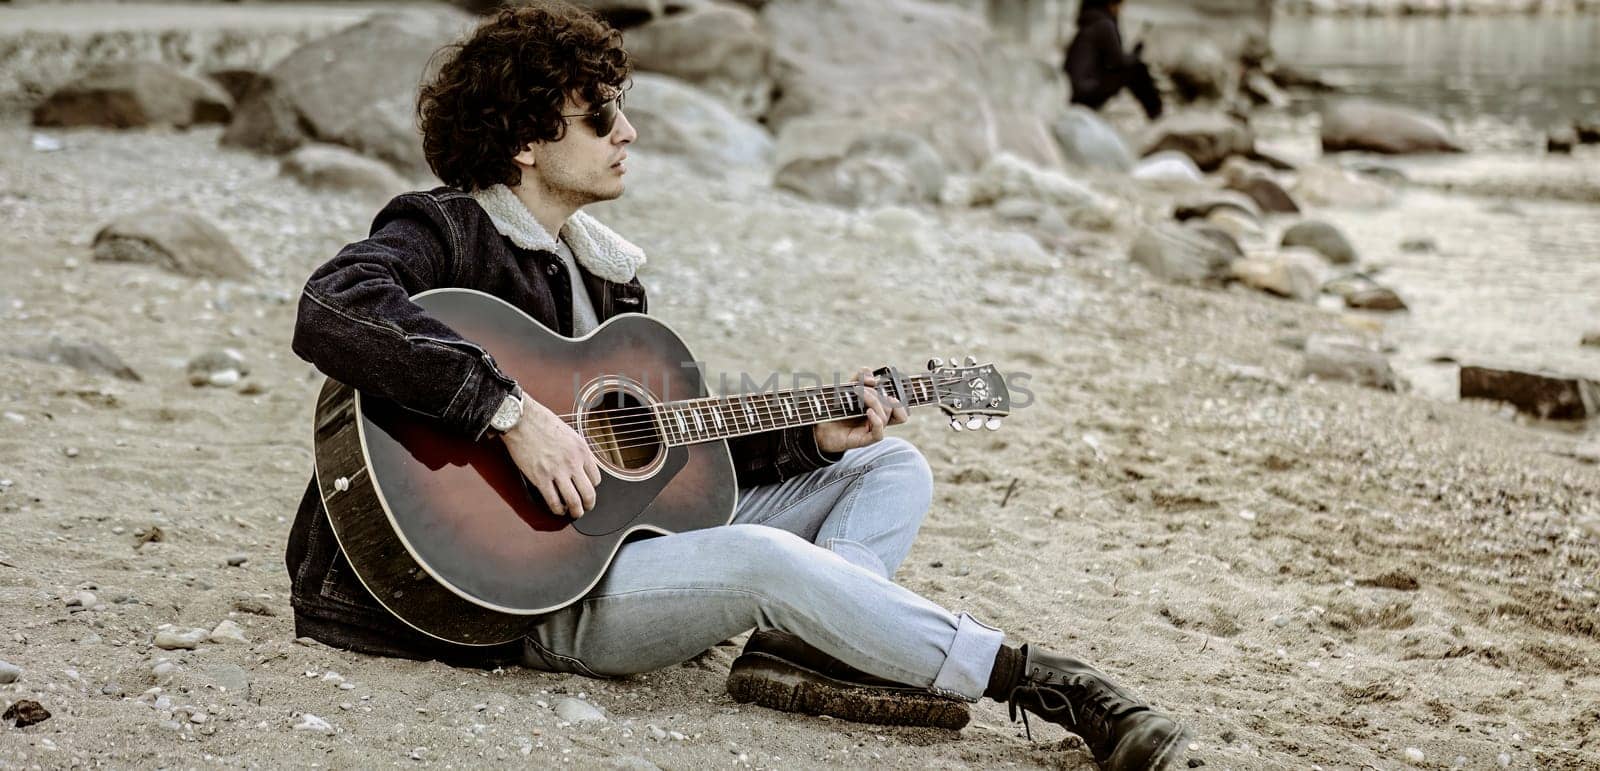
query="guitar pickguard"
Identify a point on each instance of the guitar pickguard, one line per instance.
(626, 500)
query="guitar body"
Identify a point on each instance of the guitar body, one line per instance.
(446, 533)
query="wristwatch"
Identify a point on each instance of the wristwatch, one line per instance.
(509, 413)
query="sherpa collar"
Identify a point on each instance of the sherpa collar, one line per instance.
(597, 248)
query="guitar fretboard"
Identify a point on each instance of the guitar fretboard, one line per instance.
(690, 421)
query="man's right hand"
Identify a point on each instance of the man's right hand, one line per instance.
(554, 458)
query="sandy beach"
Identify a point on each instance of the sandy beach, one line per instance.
(1308, 574)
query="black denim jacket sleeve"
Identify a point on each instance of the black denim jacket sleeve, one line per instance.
(358, 325)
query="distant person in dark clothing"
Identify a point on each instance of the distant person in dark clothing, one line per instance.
(1098, 66)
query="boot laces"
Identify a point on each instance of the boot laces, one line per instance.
(1051, 701)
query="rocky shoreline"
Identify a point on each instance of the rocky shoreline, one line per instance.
(1225, 492)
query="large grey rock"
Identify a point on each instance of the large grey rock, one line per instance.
(1323, 238)
(1176, 253)
(177, 240)
(339, 169)
(674, 117)
(1332, 358)
(1167, 167)
(1322, 185)
(1363, 124)
(1547, 396)
(1267, 194)
(1292, 273)
(927, 68)
(1200, 71)
(134, 94)
(849, 164)
(1207, 136)
(720, 48)
(356, 88)
(89, 357)
(1088, 141)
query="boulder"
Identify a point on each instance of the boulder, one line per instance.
(1550, 397)
(1203, 203)
(177, 240)
(1263, 91)
(674, 117)
(357, 88)
(1363, 124)
(1218, 236)
(1088, 141)
(1322, 185)
(1376, 298)
(932, 69)
(719, 48)
(1323, 238)
(1176, 253)
(1200, 71)
(847, 164)
(1007, 176)
(1208, 137)
(1267, 194)
(237, 82)
(1561, 140)
(1168, 167)
(91, 357)
(135, 94)
(339, 169)
(1332, 358)
(1292, 273)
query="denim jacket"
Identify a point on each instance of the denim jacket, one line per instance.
(357, 324)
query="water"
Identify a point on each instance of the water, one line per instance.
(1531, 70)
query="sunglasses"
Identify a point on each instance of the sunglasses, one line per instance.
(603, 119)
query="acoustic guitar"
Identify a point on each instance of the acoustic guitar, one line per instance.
(447, 534)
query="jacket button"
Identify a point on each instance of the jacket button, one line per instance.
(551, 269)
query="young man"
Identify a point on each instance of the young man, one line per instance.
(524, 123)
(1097, 65)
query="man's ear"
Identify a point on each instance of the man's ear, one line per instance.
(524, 158)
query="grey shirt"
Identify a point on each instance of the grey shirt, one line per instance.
(584, 317)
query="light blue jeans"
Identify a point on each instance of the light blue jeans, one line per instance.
(811, 556)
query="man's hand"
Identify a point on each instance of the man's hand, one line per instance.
(554, 458)
(841, 435)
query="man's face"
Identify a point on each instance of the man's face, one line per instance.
(582, 167)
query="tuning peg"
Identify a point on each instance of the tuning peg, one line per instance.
(975, 422)
(993, 424)
(935, 363)
(955, 423)
(970, 361)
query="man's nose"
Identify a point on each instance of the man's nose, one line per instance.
(624, 133)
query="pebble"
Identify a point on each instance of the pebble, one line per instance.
(83, 599)
(1504, 759)
(170, 638)
(236, 560)
(657, 733)
(1414, 755)
(578, 711)
(224, 379)
(1247, 515)
(111, 689)
(164, 669)
(310, 722)
(71, 452)
(14, 417)
(228, 632)
(9, 673)
(677, 736)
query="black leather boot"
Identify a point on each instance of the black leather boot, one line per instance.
(780, 671)
(1123, 733)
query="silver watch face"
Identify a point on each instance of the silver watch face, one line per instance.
(507, 415)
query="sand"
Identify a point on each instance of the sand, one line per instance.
(1306, 573)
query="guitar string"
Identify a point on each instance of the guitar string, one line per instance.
(764, 406)
(625, 439)
(849, 386)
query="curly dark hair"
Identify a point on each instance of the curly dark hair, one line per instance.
(504, 87)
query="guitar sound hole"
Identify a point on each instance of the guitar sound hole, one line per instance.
(621, 430)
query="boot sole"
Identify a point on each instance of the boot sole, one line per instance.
(780, 685)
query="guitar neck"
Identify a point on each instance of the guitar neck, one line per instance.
(691, 421)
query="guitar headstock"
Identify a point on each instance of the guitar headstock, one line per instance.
(973, 395)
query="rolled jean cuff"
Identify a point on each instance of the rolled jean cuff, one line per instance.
(967, 664)
(857, 554)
